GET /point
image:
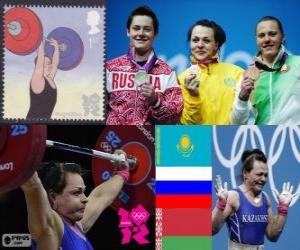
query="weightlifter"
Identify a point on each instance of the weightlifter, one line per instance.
(247, 210)
(43, 92)
(59, 213)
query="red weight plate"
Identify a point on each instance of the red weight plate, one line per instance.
(142, 153)
(23, 30)
(3, 137)
(23, 151)
(138, 142)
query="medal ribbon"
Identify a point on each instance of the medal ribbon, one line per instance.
(262, 66)
(205, 62)
(147, 66)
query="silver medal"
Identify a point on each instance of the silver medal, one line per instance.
(141, 78)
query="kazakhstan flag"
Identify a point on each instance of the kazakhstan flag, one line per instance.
(183, 146)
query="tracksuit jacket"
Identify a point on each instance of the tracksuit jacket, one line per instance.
(127, 106)
(216, 94)
(276, 95)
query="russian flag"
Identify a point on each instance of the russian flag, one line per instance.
(183, 187)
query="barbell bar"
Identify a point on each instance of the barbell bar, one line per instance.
(132, 161)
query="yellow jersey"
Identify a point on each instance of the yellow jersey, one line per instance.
(214, 103)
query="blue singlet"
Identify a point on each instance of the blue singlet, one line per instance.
(248, 224)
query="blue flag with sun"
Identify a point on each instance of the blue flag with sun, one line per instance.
(183, 146)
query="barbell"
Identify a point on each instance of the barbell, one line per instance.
(87, 151)
(22, 148)
(23, 34)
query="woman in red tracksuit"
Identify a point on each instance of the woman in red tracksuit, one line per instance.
(143, 89)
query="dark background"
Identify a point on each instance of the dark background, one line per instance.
(105, 234)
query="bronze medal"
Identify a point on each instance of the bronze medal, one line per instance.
(253, 73)
(285, 68)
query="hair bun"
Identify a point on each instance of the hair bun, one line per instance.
(248, 153)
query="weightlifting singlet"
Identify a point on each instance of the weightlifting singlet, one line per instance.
(71, 241)
(42, 105)
(248, 224)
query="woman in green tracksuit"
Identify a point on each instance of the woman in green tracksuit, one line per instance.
(271, 87)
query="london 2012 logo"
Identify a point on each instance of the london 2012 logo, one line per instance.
(273, 141)
(133, 225)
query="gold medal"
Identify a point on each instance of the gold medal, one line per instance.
(253, 73)
(195, 69)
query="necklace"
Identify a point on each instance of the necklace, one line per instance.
(257, 199)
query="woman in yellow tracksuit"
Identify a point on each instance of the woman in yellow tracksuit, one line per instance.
(208, 86)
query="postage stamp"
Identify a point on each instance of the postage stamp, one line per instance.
(53, 66)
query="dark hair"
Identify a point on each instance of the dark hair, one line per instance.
(271, 18)
(248, 158)
(143, 10)
(53, 174)
(219, 33)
